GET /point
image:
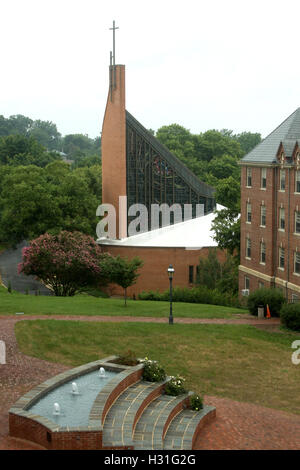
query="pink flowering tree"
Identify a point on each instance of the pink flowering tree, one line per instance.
(66, 262)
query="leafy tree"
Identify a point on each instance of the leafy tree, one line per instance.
(36, 200)
(88, 161)
(177, 139)
(46, 133)
(228, 193)
(213, 144)
(66, 262)
(20, 150)
(223, 167)
(77, 146)
(18, 124)
(210, 270)
(248, 140)
(27, 208)
(124, 273)
(227, 228)
(216, 275)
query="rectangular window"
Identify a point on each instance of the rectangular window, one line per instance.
(281, 257)
(247, 283)
(297, 222)
(197, 273)
(297, 262)
(295, 298)
(263, 183)
(249, 177)
(297, 181)
(248, 248)
(263, 252)
(281, 218)
(191, 274)
(282, 180)
(260, 285)
(248, 210)
(263, 216)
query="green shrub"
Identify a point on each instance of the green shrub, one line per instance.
(175, 386)
(153, 372)
(290, 316)
(127, 359)
(198, 295)
(266, 296)
(196, 402)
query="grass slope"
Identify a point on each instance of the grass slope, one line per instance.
(235, 361)
(87, 305)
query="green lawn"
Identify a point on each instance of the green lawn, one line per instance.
(87, 305)
(235, 361)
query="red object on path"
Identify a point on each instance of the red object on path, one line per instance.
(268, 312)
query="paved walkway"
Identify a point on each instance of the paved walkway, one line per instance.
(238, 425)
(9, 261)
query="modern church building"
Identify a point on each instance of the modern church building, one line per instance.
(138, 169)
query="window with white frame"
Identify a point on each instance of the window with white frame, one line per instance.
(281, 218)
(248, 212)
(297, 181)
(263, 215)
(297, 262)
(249, 177)
(263, 252)
(297, 222)
(263, 180)
(248, 247)
(281, 257)
(247, 283)
(261, 285)
(282, 180)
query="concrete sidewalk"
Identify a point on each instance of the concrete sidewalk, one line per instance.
(9, 260)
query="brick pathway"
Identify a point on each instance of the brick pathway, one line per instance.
(238, 425)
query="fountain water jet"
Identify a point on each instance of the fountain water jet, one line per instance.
(75, 388)
(102, 372)
(56, 409)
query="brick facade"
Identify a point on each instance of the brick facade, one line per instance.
(276, 268)
(113, 144)
(153, 274)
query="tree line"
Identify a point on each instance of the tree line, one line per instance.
(74, 147)
(41, 191)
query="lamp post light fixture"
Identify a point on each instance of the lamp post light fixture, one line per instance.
(171, 271)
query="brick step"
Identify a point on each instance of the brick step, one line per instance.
(185, 426)
(154, 422)
(123, 415)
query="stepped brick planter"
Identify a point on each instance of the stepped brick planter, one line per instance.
(109, 406)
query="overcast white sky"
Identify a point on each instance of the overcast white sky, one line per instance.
(202, 64)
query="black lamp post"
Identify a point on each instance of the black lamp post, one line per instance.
(171, 271)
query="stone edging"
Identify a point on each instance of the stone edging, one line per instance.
(27, 425)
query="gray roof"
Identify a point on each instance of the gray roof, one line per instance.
(287, 133)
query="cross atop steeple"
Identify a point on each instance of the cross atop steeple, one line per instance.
(113, 57)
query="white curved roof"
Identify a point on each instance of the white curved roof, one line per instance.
(191, 234)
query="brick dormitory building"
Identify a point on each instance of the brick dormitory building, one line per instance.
(270, 212)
